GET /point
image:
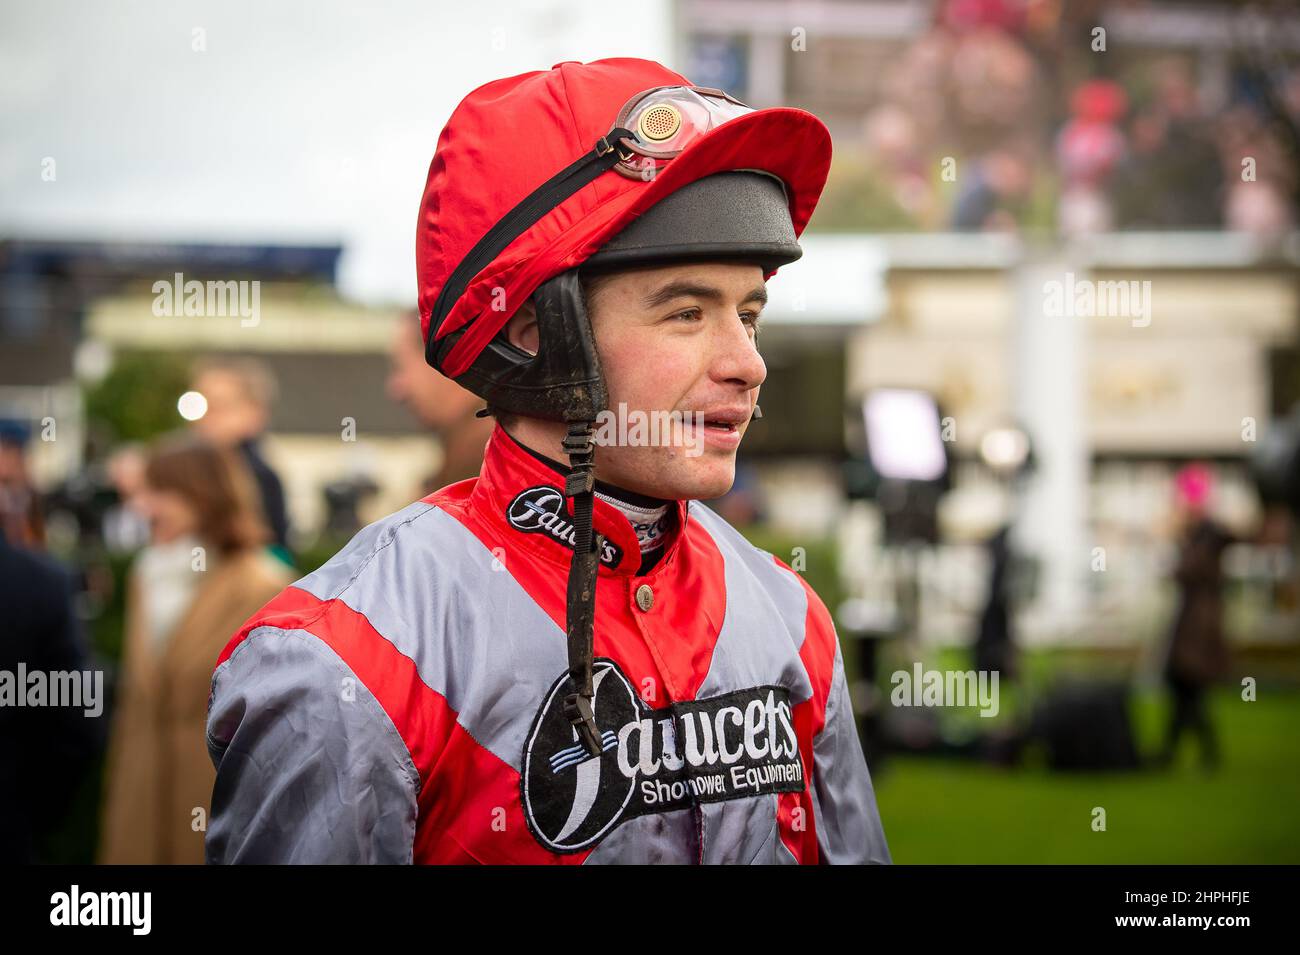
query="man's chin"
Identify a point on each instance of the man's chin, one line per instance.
(705, 477)
(676, 477)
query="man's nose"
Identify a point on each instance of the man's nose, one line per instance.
(736, 357)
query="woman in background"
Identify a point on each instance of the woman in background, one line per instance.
(204, 572)
(1197, 650)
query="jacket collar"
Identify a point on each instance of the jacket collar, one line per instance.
(525, 497)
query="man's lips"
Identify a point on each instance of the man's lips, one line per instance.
(723, 418)
(722, 424)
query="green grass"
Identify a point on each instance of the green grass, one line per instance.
(948, 811)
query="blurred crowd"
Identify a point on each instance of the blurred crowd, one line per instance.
(197, 519)
(1005, 115)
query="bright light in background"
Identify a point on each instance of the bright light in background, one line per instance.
(903, 436)
(287, 122)
(1005, 449)
(192, 406)
(92, 361)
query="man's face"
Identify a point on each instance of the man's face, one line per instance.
(437, 401)
(233, 416)
(680, 338)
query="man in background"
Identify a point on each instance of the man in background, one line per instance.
(45, 751)
(440, 404)
(240, 393)
(21, 515)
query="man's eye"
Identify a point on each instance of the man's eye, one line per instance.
(690, 315)
(751, 319)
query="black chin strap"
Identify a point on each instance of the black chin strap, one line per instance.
(580, 608)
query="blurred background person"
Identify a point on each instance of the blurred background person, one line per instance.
(44, 750)
(1088, 149)
(204, 572)
(1258, 202)
(994, 193)
(1172, 176)
(995, 645)
(240, 393)
(125, 527)
(1197, 654)
(440, 404)
(21, 516)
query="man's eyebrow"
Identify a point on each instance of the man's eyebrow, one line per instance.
(684, 288)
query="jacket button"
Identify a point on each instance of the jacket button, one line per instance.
(645, 597)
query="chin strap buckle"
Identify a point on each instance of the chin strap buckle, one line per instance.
(579, 482)
(577, 708)
(580, 445)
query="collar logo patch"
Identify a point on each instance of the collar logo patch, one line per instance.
(540, 510)
(732, 746)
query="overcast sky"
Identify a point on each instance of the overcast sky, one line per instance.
(300, 121)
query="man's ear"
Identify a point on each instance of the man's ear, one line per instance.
(521, 330)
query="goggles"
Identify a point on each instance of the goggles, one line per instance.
(665, 120)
